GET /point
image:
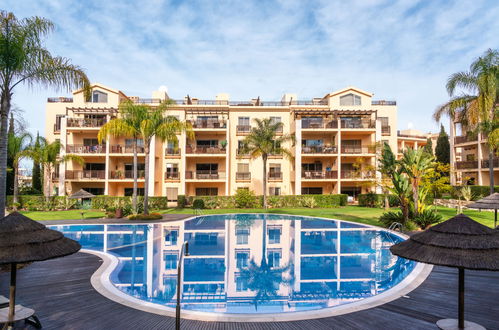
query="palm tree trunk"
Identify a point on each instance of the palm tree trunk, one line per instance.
(491, 170)
(4, 113)
(264, 158)
(134, 193)
(16, 186)
(415, 197)
(49, 181)
(146, 178)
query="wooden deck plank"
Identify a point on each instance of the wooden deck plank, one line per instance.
(63, 298)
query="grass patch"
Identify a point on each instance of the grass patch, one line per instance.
(63, 215)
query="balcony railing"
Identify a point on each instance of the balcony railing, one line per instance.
(357, 150)
(495, 162)
(319, 149)
(242, 153)
(243, 175)
(363, 175)
(204, 175)
(243, 129)
(319, 175)
(364, 123)
(85, 174)
(172, 151)
(59, 99)
(208, 123)
(119, 149)
(86, 122)
(464, 139)
(411, 136)
(383, 102)
(467, 164)
(86, 149)
(318, 124)
(386, 130)
(205, 150)
(126, 175)
(172, 176)
(275, 175)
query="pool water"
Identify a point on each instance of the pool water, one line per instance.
(249, 263)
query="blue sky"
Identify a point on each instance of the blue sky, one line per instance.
(399, 50)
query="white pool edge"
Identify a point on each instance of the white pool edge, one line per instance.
(101, 282)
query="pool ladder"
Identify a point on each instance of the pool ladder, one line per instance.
(395, 225)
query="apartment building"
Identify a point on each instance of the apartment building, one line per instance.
(469, 155)
(335, 150)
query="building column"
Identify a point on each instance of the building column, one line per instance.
(227, 159)
(107, 168)
(452, 133)
(377, 138)
(298, 156)
(338, 137)
(152, 167)
(182, 166)
(62, 166)
(479, 158)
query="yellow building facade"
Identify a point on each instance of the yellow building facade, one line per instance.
(335, 149)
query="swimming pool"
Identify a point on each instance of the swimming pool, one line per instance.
(249, 263)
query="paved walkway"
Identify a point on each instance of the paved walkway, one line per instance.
(60, 292)
(166, 217)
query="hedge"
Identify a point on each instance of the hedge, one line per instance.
(113, 202)
(40, 202)
(478, 192)
(364, 200)
(229, 202)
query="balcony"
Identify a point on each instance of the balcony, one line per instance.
(319, 175)
(86, 122)
(319, 150)
(127, 149)
(205, 149)
(358, 175)
(172, 176)
(172, 152)
(485, 163)
(412, 136)
(467, 164)
(386, 130)
(86, 149)
(59, 99)
(383, 102)
(243, 176)
(275, 176)
(204, 175)
(358, 124)
(464, 139)
(241, 153)
(126, 175)
(357, 150)
(319, 124)
(208, 124)
(85, 175)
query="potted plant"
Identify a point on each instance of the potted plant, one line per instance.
(118, 213)
(223, 144)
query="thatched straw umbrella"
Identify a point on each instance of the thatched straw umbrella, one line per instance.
(81, 194)
(458, 242)
(23, 240)
(490, 202)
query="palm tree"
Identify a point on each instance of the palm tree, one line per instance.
(18, 146)
(264, 140)
(476, 111)
(25, 60)
(47, 155)
(141, 121)
(416, 164)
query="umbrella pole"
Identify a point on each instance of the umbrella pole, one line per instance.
(12, 293)
(461, 298)
(495, 218)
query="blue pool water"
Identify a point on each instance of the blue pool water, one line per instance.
(249, 263)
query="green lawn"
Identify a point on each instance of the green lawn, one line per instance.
(351, 213)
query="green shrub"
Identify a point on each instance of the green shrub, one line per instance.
(245, 199)
(427, 218)
(477, 192)
(150, 216)
(181, 201)
(369, 200)
(410, 226)
(309, 202)
(198, 204)
(390, 217)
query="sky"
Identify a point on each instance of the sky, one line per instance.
(398, 50)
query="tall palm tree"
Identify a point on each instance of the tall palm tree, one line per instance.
(25, 60)
(48, 155)
(476, 111)
(416, 164)
(144, 122)
(18, 147)
(264, 140)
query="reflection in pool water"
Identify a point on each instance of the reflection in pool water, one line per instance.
(249, 263)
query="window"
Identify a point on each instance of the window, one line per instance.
(274, 191)
(312, 122)
(241, 284)
(311, 191)
(170, 261)
(99, 97)
(242, 259)
(206, 238)
(172, 194)
(242, 234)
(58, 122)
(206, 191)
(129, 142)
(93, 191)
(312, 143)
(274, 235)
(243, 167)
(129, 191)
(350, 99)
(312, 167)
(243, 121)
(384, 121)
(95, 166)
(172, 171)
(275, 171)
(274, 258)
(171, 237)
(275, 120)
(207, 143)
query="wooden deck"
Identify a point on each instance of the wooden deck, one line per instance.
(60, 292)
